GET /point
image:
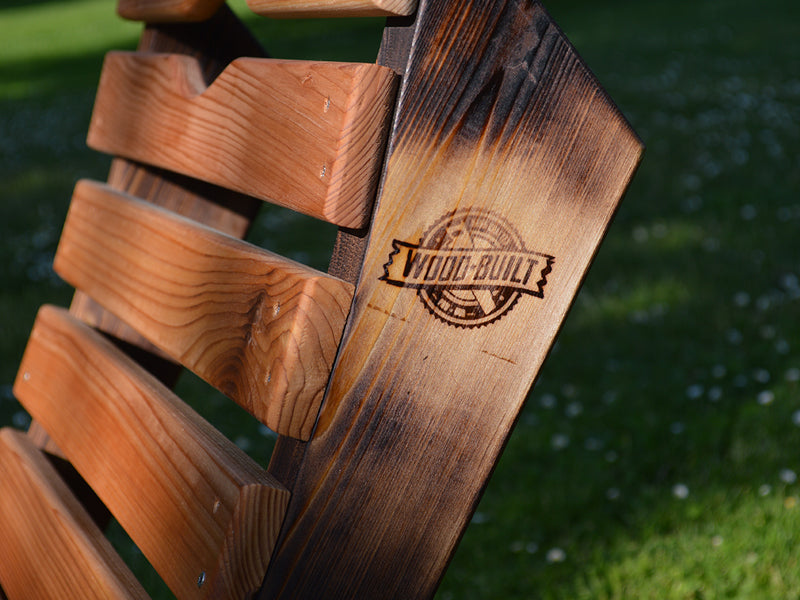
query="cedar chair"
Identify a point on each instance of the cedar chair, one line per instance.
(472, 173)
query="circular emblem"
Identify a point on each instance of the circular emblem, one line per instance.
(473, 305)
(469, 269)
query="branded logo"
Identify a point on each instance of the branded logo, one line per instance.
(469, 269)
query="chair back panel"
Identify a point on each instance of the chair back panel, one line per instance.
(505, 166)
(497, 164)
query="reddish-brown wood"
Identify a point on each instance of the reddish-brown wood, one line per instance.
(331, 8)
(214, 43)
(49, 545)
(506, 164)
(196, 505)
(305, 135)
(161, 11)
(259, 327)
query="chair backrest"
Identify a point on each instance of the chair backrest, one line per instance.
(472, 174)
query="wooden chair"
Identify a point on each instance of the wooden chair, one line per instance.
(393, 381)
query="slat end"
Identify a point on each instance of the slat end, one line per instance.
(168, 11)
(249, 541)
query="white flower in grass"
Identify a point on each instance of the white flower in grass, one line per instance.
(715, 394)
(766, 397)
(694, 391)
(21, 419)
(680, 491)
(763, 303)
(734, 336)
(593, 444)
(761, 375)
(740, 380)
(765, 490)
(748, 212)
(719, 371)
(692, 204)
(677, 428)
(792, 375)
(556, 555)
(569, 390)
(559, 441)
(547, 401)
(788, 476)
(716, 541)
(796, 418)
(479, 518)
(574, 409)
(790, 281)
(741, 299)
(767, 332)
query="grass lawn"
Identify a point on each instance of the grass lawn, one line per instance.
(658, 455)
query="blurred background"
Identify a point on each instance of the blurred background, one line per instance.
(658, 455)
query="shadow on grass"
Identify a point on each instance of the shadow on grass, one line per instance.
(50, 77)
(10, 4)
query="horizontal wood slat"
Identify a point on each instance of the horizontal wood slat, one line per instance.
(305, 135)
(199, 509)
(332, 8)
(168, 11)
(259, 327)
(49, 545)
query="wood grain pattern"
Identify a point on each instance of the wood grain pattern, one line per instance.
(503, 143)
(165, 11)
(259, 327)
(214, 43)
(305, 135)
(42, 526)
(331, 8)
(182, 491)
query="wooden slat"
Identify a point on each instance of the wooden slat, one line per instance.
(168, 11)
(49, 546)
(305, 135)
(505, 148)
(199, 509)
(332, 8)
(214, 43)
(259, 327)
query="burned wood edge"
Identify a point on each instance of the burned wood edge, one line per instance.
(348, 252)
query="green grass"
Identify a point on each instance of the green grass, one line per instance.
(657, 455)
